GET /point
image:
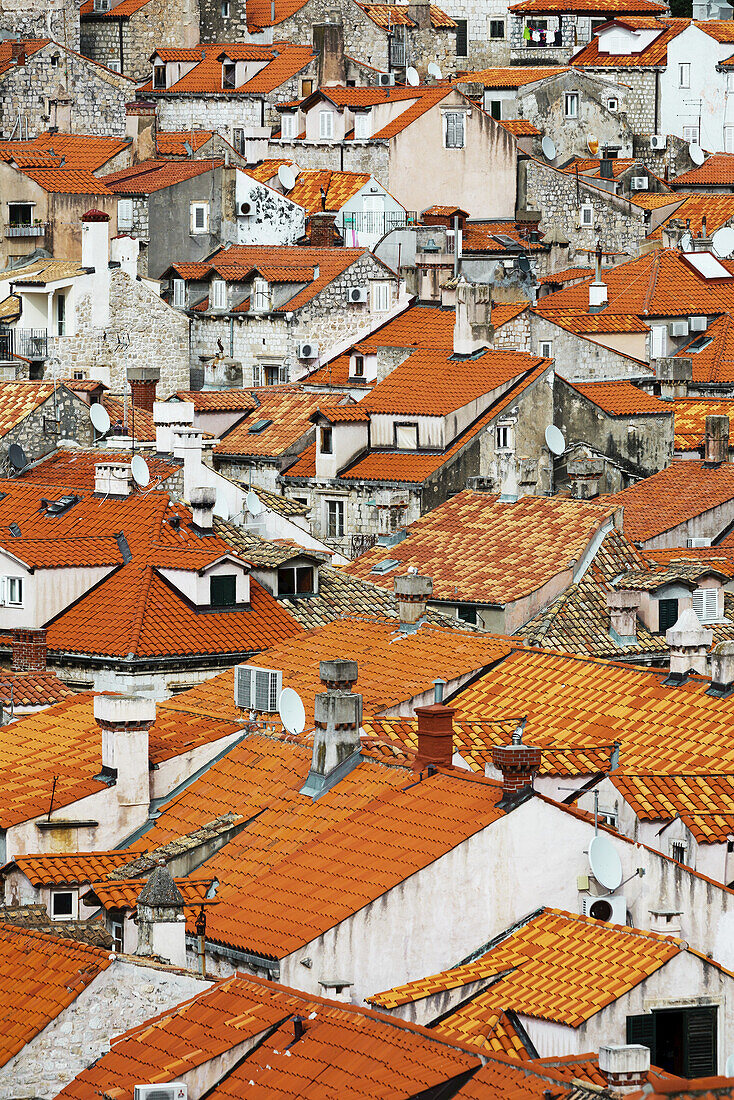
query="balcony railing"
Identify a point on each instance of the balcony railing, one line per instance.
(31, 343)
(377, 222)
(26, 230)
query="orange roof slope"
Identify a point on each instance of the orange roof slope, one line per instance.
(18, 399)
(716, 171)
(155, 175)
(674, 495)
(67, 181)
(718, 210)
(714, 361)
(41, 975)
(30, 46)
(86, 151)
(281, 61)
(396, 15)
(172, 143)
(705, 803)
(289, 408)
(28, 690)
(486, 237)
(74, 869)
(477, 548)
(76, 468)
(562, 968)
(656, 53)
(622, 399)
(690, 419)
(337, 186)
(593, 7)
(513, 77)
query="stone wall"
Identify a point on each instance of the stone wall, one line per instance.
(637, 88)
(57, 19)
(351, 156)
(159, 22)
(483, 52)
(210, 112)
(515, 334)
(544, 106)
(581, 360)
(94, 96)
(65, 417)
(528, 416)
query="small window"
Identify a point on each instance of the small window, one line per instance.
(229, 70)
(358, 369)
(306, 88)
(55, 61)
(326, 441)
(454, 129)
(612, 103)
(503, 437)
(706, 604)
(667, 615)
(115, 66)
(295, 582)
(62, 905)
(362, 125)
(326, 125)
(586, 216)
(179, 293)
(223, 590)
(658, 334)
(496, 28)
(288, 126)
(80, 376)
(406, 437)
(684, 74)
(690, 134)
(124, 213)
(224, 9)
(14, 589)
(571, 105)
(699, 344)
(380, 293)
(678, 850)
(199, 217)
(20, 213)
(495, 108)
(335, 519)
(159, 76)
(467, 614)
(238, 140)
(608, 817)
(546, 349)
(117, 933)
(462, 38)
(218, 298)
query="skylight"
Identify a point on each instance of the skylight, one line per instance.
(706, 264)
(259, 426)
(385, 566)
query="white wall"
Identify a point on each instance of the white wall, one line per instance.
(46, 592)
(195, 587)
(679, 107)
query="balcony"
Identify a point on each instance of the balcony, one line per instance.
(375, 223)
(30, 343)
(39, 230)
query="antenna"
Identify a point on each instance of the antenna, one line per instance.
(100, 419)
(291, 710)
(411, 75)
(548, 146)
(555, 440)
(17, 457)
(254, 504)
(286, 177)
(139, 470)
(606, 866)
(696, 153)
(723, 242)
(434, 70)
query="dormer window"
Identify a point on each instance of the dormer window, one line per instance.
(295, 581)
(358, 366)
(159, 76)
(326, 441)
(260, 295)
(362, 125)
(326, 125)
(406, 437)
(223, 590)
(218, 294)
(288, 126)
(229, 70)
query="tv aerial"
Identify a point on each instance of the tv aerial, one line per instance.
(411, 75)
(555, 440)
(723, 242)
(139, 470)
(548, 146)
(17, 457)
(100, 419)
(254, 504)
(292, 711)
(434, 71)
(286, 177)
(606, 866)
(696, 153)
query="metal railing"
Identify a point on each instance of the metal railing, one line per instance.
(26, 230)
(31, 343)
(377, 222)
(361, 544)
(7, 346)
(397, 53)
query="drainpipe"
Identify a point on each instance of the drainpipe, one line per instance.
(457, 263)
(657, 98)
(119, 28)
(201, 941)
(231, 336)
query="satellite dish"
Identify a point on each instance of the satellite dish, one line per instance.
(686, 242)
(287, 177)
(100, 418)
(411, 75)
(554, 439)
(139, 470)
(434, 70)
(291, 711)
(592, 144)
(723, 241)
(548, 146)
(254, 504)
(606, 866)
(17, 457)
(696, 153)
(524, 264)
(729, 1068)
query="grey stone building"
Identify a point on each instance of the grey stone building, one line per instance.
(122, 34)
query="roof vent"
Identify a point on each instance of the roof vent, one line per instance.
(58, 507)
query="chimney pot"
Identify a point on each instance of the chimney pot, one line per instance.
(169, 416)
(689, 643)
(625, 1067)
(161, 920)
(338, 675)
(717, 439)
(113, 479)
(322, 230)
(29, 650)
(143, 382)
(473, 328)
(517, 763)
(435, 736)
(337, 722)
(412, 593)
(722, 666)
(623, 606)
(125, 721)
(203, 499)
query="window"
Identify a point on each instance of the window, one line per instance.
(729, 139)
(229, 70)
(335, 519)
(260, 295)
(288, 126)
(678, 850)
(20, 213)
(706, 604)
(159, 76)
(179, 293)
(199, 217)
(55, 61)
(461, 38)
(60, 314)
(613, 104)
(608, 817)
(79, 376)
(306, 88)
(62, 905)
(326, 441)
(362, 125)
(380, 293)
(117, 933)
(546, 349)
(454, 129)
(223, 590)
(218, 298)
(115, 66)
(667, 615)
(124, 213)
(503, 437)
(586, 216)
(494, 106)
(225, 9)
(326, 125)
(571, 105)
(657, 341)
(690, 134)
(14, 591)
(358, 369)
(684, 74)
(406, 437)
(496, 28)
(295, 582)
(681, 1040)
(467, 614)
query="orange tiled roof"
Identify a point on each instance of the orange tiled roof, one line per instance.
(714, 362)
(562, 968)
(655, 54)
(30, 46)
(219, 400)
(672, 496)
(593, 7)
(513, 77)
(690, 419)
(81, 151)
(289, 408)
(717, 170)
(568, 275)
(120, 893)
(342, 414)
(75, 869)
(483, 237)
(717, 209)
(267, 169)
(622, 399)
(705, 803)
(29, 690)
(339, 187)
(84, 552)
(76, 468)
(520, 127)
(172, 143)
(478, 549)
(281, 61)
(396, 15)
(590, 324)
(155, 175)
(67, 181)
(648, 200)
(18, 399)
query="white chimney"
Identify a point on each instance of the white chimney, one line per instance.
(124, 251)
(168, 415)
(624, 1067)
(188, 444)
(473, 328)
(125, 721)
(112, 479)
(96, 257)
(689, 643)
(202, 500)
(598, 293)
(337, 721)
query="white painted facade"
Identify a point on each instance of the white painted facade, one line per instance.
(693, 93)
(44, 593)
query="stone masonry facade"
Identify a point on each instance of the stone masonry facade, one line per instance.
(57, 19)
(638, 92)
(210, 112)
(64, 416)
(580, 360)
(173, 23)
(350, 156)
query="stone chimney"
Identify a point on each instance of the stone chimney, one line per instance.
(161, 920)
(112, 479)
(717, 440)
(322, 228)
(337, 720)
(168, 416)
(202, 500)
(435, 735)
(585, 472)
(598, 291)
(689, 643)
(328, 42)
(722, 668)
(143, 382)
(29, 650)
(623, 606)
(517, 763)
(141, 128)
(624, 1067)
(473, 328)
(420, 12)
(125, 721)
(674, 374)
(412, 593)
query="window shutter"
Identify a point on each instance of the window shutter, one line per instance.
(710, 603)
(700, 1042)
(641, 1030)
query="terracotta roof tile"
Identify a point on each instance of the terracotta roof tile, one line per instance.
(622, 399)
(593, 7)
(84, 552)
(568, 275)
(396, 15)
(485, 237)
(717, 209)
(67, 181)
(690, 419)
(591, 324)
(282, 60)
(672, 496)
(656, 53)
(30, 45)
(19, 399)
(155, 175)
(716, 170)
(339, 187)
(219, 400)
(289, 410)
(342, 414)
(172, 143)
(29, 690)
(513, 77)
(80, 151)
(520, 127)
(74, 869)
(76, 468)
(705, 803)
(712, 352)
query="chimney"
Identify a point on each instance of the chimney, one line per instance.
(717, 440)
(328, 43)
(112, 479)
(322, 229)
(598, 293)
(517, 763)
(675, 373)
(689, 643)
(168, 416)
(412, 593)
(143, 382)
(722, 668)
(96, 240)
(202, 500)
(585, 472)
(473, 328)
(161, 920)
(29, 650)
(17, 52)
(187, 444)
(623, 606)
(141, 128)
(124, 250)
(606, 170)
(624, 1067)
(435, 734)
(125, 721)
(420, 12)
(337, 720)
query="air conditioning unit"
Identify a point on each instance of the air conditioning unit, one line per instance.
(658, 141)
(613, 909)
(640, 183)
(356, 293)
(175, 1091)
(306, 350)
(385, 80)
(245, 208)
(678, 328)
(691, 543)
(698, 324)
(256, 689)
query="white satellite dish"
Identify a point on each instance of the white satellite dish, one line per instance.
(686, 242)
(696, 153)
(606, 866)
(287, 177)
(548, 146)
(100, 418)
(254, 504)
(434, 70)
(291, 710)
(729, 1068)
(139, 470)
(723, 242)
(411, 75)
(554, 439)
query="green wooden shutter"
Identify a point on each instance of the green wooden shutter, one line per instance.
(641, 1029)
(700, 1032)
